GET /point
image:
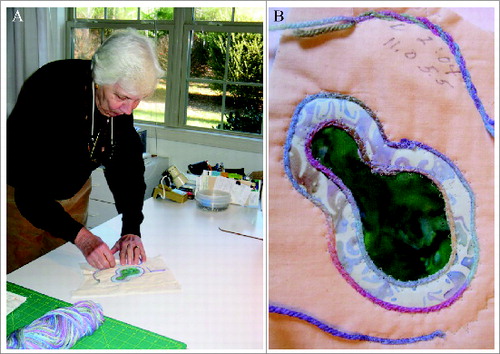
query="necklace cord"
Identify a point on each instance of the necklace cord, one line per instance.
(93, 110)
(110, 120)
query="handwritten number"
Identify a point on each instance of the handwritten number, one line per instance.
(394, 27)
(427, 69)
(444, 82)
(452, 71)
(423, 40)
(392, 46)
(411, 55)
(389, 41)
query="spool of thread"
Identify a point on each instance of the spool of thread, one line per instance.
(177, 177)
(60, 328)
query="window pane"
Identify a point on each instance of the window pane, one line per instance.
(244, 107)
(249, 14)
(208, 55)
(204, 106)
(213, 14)
(90, 12)
(157, 13)
(121, 13)
(239, 105)
(162, 43)
(86, 42)
(246, 57)
(152, 109)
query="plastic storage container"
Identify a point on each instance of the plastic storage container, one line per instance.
(214, 200)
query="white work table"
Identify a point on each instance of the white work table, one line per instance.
(221, 304)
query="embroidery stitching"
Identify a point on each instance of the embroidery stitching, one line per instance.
(351, 335)
(346, 246)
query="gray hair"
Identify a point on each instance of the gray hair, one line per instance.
(129, 59)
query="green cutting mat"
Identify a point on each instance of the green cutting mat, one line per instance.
(112, 334)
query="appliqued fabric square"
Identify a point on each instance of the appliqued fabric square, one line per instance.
(150, 277)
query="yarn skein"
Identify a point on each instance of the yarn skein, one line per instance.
(60, 328)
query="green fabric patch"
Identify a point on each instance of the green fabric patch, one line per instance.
(406, 232)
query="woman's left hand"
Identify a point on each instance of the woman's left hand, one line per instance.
(131, 249)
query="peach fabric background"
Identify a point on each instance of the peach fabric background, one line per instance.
(412, 105)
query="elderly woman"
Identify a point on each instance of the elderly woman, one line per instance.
(71, 117)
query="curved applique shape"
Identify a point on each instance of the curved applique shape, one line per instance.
(124, 274)
(346, 243)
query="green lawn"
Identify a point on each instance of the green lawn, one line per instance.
(203, 109)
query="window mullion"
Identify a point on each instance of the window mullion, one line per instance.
(183, 49)
(226, 78)
(184, 67)
(175, 78)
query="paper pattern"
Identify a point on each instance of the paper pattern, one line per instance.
(14, 301)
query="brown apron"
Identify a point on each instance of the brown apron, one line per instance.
(25, 242)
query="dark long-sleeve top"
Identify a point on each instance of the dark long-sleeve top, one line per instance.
(48, 135)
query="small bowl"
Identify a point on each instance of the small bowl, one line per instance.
(213, 200)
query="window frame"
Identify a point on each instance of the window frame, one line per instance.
(174, 127)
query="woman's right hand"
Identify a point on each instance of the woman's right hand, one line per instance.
(95, 251)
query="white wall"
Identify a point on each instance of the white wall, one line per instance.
(182, 154)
